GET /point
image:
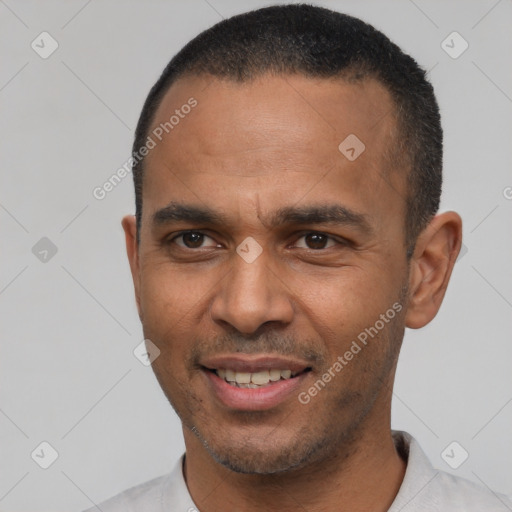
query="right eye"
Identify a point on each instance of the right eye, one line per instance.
(193, 240)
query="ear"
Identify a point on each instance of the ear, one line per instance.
(132, 250)
(431, 266)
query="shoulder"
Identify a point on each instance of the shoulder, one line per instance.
(457, 493)
(143, 497)
(164, 493)
(426, 489)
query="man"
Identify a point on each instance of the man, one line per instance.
(287, 169)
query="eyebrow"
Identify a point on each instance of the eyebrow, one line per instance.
(321, 214)
(178, 212)
(314, 214)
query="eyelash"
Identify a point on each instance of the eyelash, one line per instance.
(330, 238)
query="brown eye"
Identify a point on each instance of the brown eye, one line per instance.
(315, 241)
(194, 240)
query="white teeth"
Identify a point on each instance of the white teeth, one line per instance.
(243, 377)
(260, 378)
(275, 375)
(254, 380)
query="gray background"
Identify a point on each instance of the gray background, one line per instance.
(69, 324)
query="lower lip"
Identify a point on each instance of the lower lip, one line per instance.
(253, 399)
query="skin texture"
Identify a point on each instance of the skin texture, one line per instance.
(246, 151)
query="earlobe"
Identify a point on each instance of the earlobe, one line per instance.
(132, 250)
(431, 266)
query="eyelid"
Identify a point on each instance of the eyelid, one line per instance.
(174, 236)
(335, 238)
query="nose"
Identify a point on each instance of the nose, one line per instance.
(251, 295)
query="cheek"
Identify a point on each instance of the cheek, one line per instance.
(354, 306)
(175, 305)
(168, 293)
(347, 296)
(164, 305)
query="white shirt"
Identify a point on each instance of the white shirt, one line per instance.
(424, 489)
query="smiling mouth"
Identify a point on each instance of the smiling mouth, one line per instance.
(255, 380)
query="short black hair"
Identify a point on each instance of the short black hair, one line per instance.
(318, 43)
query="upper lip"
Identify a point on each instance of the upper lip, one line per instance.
(254, 363)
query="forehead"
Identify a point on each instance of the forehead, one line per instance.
(274, 133)
(327, 108)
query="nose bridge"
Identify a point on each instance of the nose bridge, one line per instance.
(251, 294)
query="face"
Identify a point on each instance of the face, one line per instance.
(267, 255)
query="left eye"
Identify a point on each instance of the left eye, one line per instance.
(194, 240)
(315, 241)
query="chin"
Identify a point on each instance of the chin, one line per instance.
(257, 463)
(271, 458)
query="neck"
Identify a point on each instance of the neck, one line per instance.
(366, 475)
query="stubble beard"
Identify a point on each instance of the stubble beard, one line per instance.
(312, 445)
